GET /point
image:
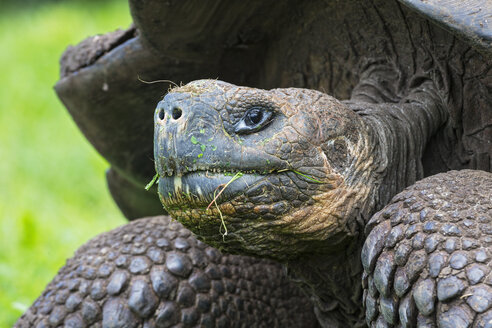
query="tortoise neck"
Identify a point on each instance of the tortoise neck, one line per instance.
(333, 283)
(397, 136)
(400, 132)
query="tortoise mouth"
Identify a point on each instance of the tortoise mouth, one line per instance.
(199, 188)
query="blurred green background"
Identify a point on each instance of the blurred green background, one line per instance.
(53, 195)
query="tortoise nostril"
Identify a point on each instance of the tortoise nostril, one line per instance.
(161, 114)
(176, 113)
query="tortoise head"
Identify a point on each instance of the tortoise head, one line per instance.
(273, 173)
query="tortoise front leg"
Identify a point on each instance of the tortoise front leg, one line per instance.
(427, 257)
(155, 273)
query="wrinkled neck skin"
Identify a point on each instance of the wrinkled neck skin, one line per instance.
(397, 136)
(333, 283)
(400, 133)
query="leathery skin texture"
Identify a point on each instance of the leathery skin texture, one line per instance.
(427, 257)
(155, 273)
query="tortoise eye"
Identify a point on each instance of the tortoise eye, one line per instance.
(253, 117)
(253, 120)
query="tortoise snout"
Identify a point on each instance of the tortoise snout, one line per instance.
(168, 111)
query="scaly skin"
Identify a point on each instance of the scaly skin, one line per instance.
(155, 273)
(427, 258)
(315, 171)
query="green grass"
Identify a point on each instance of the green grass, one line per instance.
(53, 195)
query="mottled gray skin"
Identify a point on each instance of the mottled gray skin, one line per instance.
(155, 273)
(354, 157)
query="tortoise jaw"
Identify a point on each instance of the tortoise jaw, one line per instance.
(199, 188)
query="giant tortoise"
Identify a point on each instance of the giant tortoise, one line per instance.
(356, 163)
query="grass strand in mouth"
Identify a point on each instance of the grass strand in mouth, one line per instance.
(302, 174)
(214, 201)
(151, 183)
(221, 220)
(307, 177)
(234, 178)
